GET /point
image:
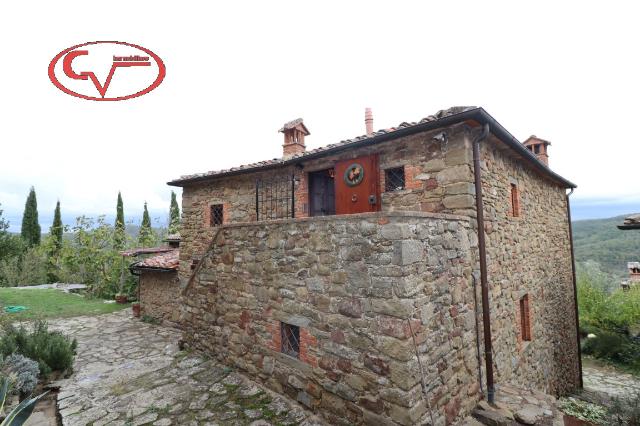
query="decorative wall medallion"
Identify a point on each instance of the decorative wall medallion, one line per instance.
(354, 174)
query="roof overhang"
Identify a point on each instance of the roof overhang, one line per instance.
(472, 116)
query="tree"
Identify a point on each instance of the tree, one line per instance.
(145, 235)
(30, 227)
(57, 229)
(174, 215)
(10, 245)
(119, 235)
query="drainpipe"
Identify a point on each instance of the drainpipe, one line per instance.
(486, 318)
(575, 286)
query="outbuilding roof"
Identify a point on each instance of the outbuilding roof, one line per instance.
(168, 261)
(440, 119)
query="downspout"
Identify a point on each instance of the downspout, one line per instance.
(575, 286)
(486, 318)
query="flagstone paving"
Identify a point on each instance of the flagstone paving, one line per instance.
(131, 373)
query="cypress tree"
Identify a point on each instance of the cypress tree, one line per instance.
(119, 234)
(30, 227)
(174, 215)
(145, 233)
(56, 229)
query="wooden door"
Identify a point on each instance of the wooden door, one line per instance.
(357, 185)
(322, 198)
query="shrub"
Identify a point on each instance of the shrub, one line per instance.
(23, 371)
(625, 412)
(52, 350)
(614, 347)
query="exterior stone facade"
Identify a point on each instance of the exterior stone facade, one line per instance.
(382, 305)
(365, 301)
(160, 295)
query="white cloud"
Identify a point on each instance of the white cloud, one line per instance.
(237, 71)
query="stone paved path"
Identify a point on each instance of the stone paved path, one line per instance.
(130, 373)
(608, 382)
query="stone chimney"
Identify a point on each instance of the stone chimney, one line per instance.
(294, 133)
(539, 148)
(368, 121)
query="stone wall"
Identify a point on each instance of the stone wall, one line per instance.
(360, 288)
(160, 295)
(529, 255)
(437, 174)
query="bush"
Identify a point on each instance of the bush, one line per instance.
(614, 347)
(625, 412)
(23, 372)
(52, 350)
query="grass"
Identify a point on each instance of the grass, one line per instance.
(50, 303)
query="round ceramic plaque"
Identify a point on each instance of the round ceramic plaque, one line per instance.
(354, 174)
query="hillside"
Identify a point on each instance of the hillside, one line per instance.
(601, 241)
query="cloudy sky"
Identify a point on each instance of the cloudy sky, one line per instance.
(236, 71)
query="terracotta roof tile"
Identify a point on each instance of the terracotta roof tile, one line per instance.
(168, 260)
(261, 164)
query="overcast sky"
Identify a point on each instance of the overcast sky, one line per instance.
(236, 71)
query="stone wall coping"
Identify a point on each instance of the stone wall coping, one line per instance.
(344, 217)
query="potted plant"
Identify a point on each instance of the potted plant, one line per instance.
(136, 309)
(121, 298)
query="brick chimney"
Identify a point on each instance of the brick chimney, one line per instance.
(538, 147)
(368, 121)
(294, 133)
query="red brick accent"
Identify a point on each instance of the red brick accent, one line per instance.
(275, 343)
(410, 181)
(301, 196)
(398, 328)
(307, 341)
(514, 201)
(524, 320)
(292, 148)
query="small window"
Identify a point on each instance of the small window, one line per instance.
(394, 179)
(515, 200)
(216, 214)
(525, 323)
(194, 264)
(290, 337)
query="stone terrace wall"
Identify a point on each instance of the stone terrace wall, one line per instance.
(529, 254)
(160, 295)
(358, 287)
(437, 173)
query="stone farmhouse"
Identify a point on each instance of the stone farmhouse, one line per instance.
(395, 278)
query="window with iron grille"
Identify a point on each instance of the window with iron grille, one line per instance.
(394, 179)
(525, 323)
(290, 337)
(275, 197)
(217, 214)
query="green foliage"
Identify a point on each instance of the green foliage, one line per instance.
(22, 371)
(583, 410)
(149, 319)
(611, 317)
(174, 215)
(601, 241)
(52, 350)
(25, 269)
(119, 236)
(625, 411)
(146, 237)
(31, 231)
(57, 228)
(10, 245)
(19, 415)
(50, 303)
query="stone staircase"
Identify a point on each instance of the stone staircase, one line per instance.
(517, 406)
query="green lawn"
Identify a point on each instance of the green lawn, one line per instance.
(51, 303)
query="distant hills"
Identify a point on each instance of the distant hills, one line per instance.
(600, 240)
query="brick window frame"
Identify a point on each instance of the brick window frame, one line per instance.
(524, 319)
(308, 343)
(395, 179)
(514, 200)
(215, 215)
